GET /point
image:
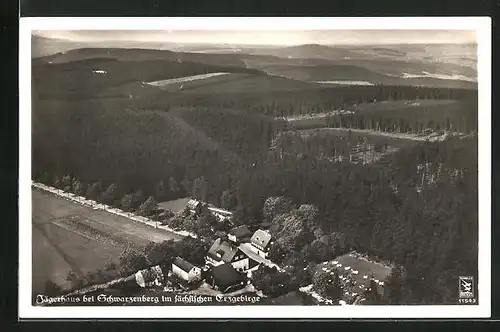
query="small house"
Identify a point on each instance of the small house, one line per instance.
(225, 278)
(152, 276)
(185, 270)
(194, 206)
(239, 234)
(260, 242)
(224, 252)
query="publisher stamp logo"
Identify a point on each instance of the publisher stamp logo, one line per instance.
(465, 287)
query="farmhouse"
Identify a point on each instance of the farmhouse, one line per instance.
(225, 278)
(150, 277)
(185, 270)
(223, 252)
(239, 234)
(260, 242)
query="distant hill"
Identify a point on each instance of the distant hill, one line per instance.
(454, 61)
(309, 51)
(41, 46)
(349, 73)
(140, 54)
(90, 76)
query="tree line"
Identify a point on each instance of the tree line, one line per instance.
(462, 120)
(311, 101)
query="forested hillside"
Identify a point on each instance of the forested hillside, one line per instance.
(286, 103)
(86, 78)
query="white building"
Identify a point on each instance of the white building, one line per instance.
(185, 270)
(260, 242)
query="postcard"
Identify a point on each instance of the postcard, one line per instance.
(255, 167)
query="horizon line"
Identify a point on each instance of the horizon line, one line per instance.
(55, 39)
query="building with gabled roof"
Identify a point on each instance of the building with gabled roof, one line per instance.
(185, 270)
(225, 278)
(260, 241)
(239, 234)
(194, 205)
(224, 252)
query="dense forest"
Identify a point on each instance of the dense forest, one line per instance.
(417, 209)
(286, 103)
(460, 117)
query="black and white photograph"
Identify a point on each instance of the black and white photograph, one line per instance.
(278, 170)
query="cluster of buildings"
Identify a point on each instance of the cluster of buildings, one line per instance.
(229, 263)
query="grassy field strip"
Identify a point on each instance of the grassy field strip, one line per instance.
(314, 116)
(185, 79)
(364, 83)
(413, 137)
(118, 212)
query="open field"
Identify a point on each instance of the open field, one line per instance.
(102, 221)
(248, 83)
(405, 105)
(357, 269)
(364, 267)
(372, 137)
(345, 82)
(61, 241)
(176, 205)
(185, 79)
(197, 82)
(57, 250)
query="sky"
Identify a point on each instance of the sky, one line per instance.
(268, 37)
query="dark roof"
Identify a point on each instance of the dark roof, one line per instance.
(225, 275)
(240, 231)
(252, 263)
(183, 264)
(226, 250)
(261, 238)
(292, 298)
